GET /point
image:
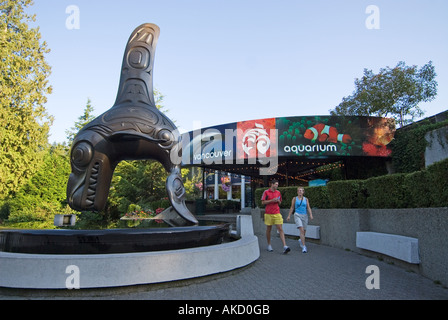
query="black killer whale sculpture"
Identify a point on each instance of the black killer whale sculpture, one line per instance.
(132, 129)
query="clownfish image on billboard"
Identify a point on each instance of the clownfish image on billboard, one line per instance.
(325, 133)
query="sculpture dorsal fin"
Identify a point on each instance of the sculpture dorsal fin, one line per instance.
(136, 84)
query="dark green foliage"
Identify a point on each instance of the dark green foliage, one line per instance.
(163, 203)
(420, 189)
(258, 193)
(346, 194)
(416, 186)
(90, 220)
(213, 205)
(386, 191)
(137, 182)
(84, 119)
(24, 86)
(409, 146)
(287, 194)
(319, 197)
(222, 206)
(42, 196)
(438, 183)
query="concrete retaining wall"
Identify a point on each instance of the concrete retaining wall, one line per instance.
(338, 228)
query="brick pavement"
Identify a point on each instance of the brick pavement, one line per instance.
(323, 273)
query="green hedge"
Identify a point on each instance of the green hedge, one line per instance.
(420, 189)
(417, 186)
(386, 191)
(346, 194)
(438, 183)
(222, 205)
(319, 197)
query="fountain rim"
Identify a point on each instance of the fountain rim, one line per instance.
(115, 230)
(110, 241)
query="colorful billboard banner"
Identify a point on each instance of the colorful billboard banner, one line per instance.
(324, 136)
(264, 140)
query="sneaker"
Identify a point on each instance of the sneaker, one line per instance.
(304, 249)
(286, 250)
(270, 248)
(300, 243)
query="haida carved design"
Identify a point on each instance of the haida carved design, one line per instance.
(132, 129)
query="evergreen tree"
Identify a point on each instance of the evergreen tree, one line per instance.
(84, 119)
(23, 88)
(138, 182)
(42, 196)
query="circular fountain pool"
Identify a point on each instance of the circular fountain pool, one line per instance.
(111, 240)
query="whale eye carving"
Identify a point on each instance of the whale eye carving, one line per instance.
(82, 154)
(167, 136)
(139, 58)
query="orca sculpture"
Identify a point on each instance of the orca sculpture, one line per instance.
(133, 129)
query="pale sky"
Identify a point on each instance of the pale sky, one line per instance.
(226, 61)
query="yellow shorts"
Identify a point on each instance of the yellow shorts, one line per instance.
(271, 219)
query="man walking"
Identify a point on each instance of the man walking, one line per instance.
(271, 199)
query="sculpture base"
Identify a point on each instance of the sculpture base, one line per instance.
(60, 271)
(110, 241)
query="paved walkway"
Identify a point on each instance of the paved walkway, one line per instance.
(323, 273)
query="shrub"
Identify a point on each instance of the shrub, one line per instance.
(346, 194)
(318, 196)
(416, 187)
(44, 211)
(213, 205)
(287, 194)
(258, 192)
(90, 220)
(386, 191)
(438, 183)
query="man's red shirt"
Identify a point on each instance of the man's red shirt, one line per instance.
(271, 208)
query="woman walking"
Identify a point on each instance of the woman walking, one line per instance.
(301, 207)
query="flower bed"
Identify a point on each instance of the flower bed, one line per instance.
(135, 218)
